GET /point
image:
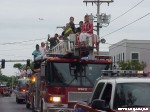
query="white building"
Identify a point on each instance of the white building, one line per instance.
(131, 50)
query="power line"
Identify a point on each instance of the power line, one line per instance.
(6, 50)
(127, 11)
(12, 43)
(125, 25)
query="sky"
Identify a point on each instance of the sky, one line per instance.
(19, 21)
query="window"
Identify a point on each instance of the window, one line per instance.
(135, 56)
(107, 94)
(132, 95)
(74, 74)
(114, 59)
(122, 56)
(98, 91)
(117, 57)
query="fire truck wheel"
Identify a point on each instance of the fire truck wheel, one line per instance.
(17, 100)
(33, 104)
(41, 106)
(27, 105)
(42, 109)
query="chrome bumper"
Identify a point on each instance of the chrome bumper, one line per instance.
(60, 110)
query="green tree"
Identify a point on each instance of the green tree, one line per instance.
(18, 66)
(132, 65)
(4, 78)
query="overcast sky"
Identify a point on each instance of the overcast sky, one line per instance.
(19, 21)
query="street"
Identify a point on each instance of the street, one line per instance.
(8, 104)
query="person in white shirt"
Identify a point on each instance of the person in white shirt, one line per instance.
(28, 72)
(42, 49)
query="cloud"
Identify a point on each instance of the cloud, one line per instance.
(19, 21)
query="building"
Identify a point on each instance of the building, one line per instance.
(131, 50)
(102, 53)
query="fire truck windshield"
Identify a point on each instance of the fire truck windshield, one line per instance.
(74, 74)
(22, 82)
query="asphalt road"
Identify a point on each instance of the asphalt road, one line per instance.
(8, 104)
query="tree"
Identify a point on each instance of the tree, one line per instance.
(4, 78)
(18, 66)
(132, 65)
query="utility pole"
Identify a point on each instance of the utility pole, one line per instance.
(98, 3)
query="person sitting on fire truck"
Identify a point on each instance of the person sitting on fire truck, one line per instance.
(42, 49)
(86, 31)
(37, 59)
(37, 54)
(69, 29)
(80, 27)
(53, 41)
(72, 25)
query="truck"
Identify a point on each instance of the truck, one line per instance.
(21, 88)
(119, 91)
(67, 75)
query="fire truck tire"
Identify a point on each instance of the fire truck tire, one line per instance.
(42, 108)
(17, 100)
(33, 105)
(27, 105)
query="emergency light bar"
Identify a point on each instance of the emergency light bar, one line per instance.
(123, 73)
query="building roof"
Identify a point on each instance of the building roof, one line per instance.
(129, 41)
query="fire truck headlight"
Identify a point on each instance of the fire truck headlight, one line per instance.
(55, 99)
(140, 72)
(33, 79)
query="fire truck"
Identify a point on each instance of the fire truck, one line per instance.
(66, 76)
(21, 88)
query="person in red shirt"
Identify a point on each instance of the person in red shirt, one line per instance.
(86, 31)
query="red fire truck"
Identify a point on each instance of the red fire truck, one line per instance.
(67, 75)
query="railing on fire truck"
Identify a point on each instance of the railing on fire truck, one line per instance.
(67, 46)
